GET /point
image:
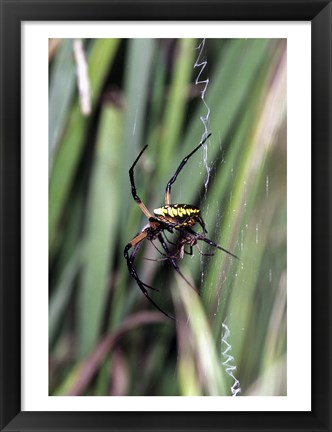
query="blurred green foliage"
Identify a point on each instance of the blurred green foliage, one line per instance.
(104, 337)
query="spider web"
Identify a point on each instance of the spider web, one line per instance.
(202, 80)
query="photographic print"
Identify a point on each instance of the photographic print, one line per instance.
(165, 215)
(168, 217)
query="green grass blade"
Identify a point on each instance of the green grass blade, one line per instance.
(68, 154)
(62, 85)
(103, 213)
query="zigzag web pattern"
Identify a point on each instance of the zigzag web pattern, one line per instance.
(229, 363)
(201, 63)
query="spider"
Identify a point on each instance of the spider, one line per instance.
(172, 218)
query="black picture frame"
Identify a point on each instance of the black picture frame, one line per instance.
(12, 14)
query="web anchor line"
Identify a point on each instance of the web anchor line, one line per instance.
(229, 363)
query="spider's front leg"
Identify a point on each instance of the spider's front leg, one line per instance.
(133, 186)
(182, 164)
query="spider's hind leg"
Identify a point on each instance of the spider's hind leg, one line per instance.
(209, 242)
(130, 261)
(173, 262)
(132, 271)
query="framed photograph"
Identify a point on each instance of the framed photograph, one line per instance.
(165, 215)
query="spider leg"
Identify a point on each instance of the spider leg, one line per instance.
(167, 226)
(133, 186)
(209, 242)
(161, 253)
(182, 164)
(202, 224)
(190, 252)
(130, 261)
(203, 253)
(173, 262)
(176, 255)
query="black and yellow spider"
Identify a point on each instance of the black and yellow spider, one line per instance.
(174, 218)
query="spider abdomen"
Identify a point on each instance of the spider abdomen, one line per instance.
(183, 214)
